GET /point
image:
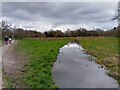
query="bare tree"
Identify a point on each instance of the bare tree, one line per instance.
(118, 14)
(5, 26)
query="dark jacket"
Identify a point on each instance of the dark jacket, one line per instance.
(6, 38)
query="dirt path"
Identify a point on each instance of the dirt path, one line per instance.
(12, 64)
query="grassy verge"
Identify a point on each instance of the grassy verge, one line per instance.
(7, 81)
(106, 51)
(41, 56)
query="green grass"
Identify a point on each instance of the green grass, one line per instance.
(41, 55)
(7, 80)
(106, 51)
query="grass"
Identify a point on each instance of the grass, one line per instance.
(106, 51)
(42, 53)
(7, 80)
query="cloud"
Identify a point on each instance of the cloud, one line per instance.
(60, 1)
(46, 15)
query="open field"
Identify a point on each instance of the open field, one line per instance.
(41, 56)
(42, 53)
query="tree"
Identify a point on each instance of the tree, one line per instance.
(118, 15)
(5, 29)
(5, 26)
(58, 33)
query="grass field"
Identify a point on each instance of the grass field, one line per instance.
(106, 52)
(42, 53)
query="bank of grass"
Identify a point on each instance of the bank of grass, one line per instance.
(105, 49)
(7, 82)
(41, 54)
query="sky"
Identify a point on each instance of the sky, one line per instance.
(43, 16)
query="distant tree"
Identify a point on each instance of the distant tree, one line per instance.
(5, 26)
(5, 29)
(21, 33)
(58, 33)
(68, 33)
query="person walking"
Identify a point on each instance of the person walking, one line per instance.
(6, 40)
(10, 40)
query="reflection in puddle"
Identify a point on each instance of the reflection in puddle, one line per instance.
(73, 69)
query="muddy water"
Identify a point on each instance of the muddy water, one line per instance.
(74, 69)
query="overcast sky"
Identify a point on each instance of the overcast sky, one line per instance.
(44, 16)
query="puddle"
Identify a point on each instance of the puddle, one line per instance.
(74, 69)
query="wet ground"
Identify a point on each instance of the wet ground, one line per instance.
(74, 69)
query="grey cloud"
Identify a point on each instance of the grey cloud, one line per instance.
(60, 13)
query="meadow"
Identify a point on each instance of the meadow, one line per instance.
(42, 53)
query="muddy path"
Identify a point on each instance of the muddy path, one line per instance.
(12, 64)
(75, 69)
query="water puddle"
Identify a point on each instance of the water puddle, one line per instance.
(74, 69)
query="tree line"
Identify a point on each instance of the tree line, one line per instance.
(19, 33)
(83, 32)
